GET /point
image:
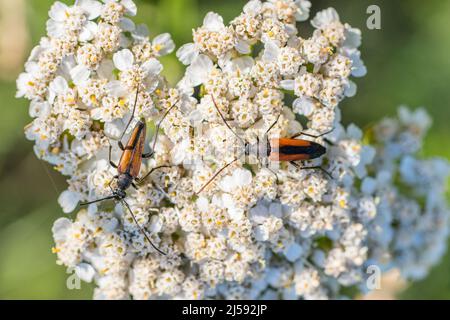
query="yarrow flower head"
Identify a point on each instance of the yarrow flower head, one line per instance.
(235, 224)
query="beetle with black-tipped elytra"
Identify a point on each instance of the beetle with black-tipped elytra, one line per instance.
(282, 149)
(129, 166)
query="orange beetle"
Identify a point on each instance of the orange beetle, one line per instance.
(286, 149)
(283, 149)
(130, 165)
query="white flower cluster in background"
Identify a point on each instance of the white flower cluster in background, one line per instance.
(410, 230)
(259, 230)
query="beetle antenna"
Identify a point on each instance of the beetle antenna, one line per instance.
(273, 124)
(99, 200)
(142, 229)
(312, 135)
(224, 120)
(215, 176)
(132, 114)
(158, 127)
(140, 181)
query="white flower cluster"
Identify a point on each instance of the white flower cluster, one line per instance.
(261, 229)
(82, 80)
(410, 230)
(265, 232)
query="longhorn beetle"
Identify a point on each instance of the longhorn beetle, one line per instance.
(130, 164)
(282, 149)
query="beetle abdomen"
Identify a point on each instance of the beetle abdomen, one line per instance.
(295, 150)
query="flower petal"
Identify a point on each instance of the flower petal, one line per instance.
(130, 6)
(88, 32)
(156, 224)
(80, 74)
(293, 252)
(324, 18)
(350, 89)
(91, 7)
(271, 51)
(59, 85)
(85, 272)
(123, 60)
(39, 109)
(304, 106)
(164, 44)
(127, 24)
(105, 70)
(213, 22)
(243, 47)
(187, 53)
(253, 7)
(58, 11)
(116, 89)
(287, 84)
(55, 29)
(60, 228)
(152, 67)
(141, 32)
(68, 200)
(198, 71)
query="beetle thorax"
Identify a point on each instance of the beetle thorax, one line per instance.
(120, 194)
(124, 181)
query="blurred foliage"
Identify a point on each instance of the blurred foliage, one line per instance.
(407, 62)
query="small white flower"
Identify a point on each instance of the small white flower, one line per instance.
(187, 53)
(304, 7)
(324, 18)
(197, 73)
(75, 19)
(132, 74)
(163, 44)
(60, 228)
(68, 200)
(80, 74)
(85, 272)
(293, 252)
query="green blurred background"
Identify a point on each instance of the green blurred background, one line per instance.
(408, 62)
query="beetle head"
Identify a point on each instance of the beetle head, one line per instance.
(124, 182)
(317, 150)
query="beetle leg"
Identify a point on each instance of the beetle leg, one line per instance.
(147, 155)
(129, 121)
(121, 146)
(97, 201)
(110, 159)
(273, 124)
(141, 180)
(135, 186)
(276, 176)
(311, 135)
(110, 183)
(215, 176)
(312, 168)
(141, 228)
(158, 126)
